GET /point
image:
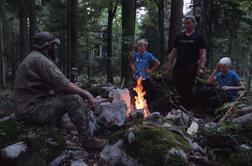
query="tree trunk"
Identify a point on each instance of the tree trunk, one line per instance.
(111, 15)
(2, 66)
(14, 57)
(33, 20)
(128, 32)
(71, 34)
(160, 4)
(175, 21)
(23, 25)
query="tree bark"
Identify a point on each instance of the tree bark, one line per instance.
(32, 20)
(160, 4)
(14, 57)
(175, 21)
(23, 25)
(128, 32)
(111, 15)
(71, 34)
(2, 65)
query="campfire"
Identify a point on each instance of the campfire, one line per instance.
(140, 102)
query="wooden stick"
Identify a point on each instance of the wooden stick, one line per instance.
(230, 110)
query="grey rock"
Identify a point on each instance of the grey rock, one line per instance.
(155, 117)
(113, 114)
(14, 150)
(113, 155)
(11, 116)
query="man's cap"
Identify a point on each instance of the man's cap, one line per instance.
(225, 61)
(43, 39)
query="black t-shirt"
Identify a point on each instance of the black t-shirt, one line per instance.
(188, 48)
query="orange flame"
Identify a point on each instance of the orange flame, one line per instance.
(140, 102)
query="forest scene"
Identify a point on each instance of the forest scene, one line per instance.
(125, 82)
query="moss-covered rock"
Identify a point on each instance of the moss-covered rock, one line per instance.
(152, 143)
(42, 142)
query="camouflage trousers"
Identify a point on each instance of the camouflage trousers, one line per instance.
(54, 108)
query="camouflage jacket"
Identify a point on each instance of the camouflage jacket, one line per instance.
(37, 79)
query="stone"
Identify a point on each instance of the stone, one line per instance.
(113, 114)
(14, 150)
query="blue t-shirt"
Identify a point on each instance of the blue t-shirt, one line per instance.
(142, 62)
(230, 79)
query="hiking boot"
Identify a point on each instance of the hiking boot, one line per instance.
(93, 144)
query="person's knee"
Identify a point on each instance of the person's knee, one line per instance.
(74, 98)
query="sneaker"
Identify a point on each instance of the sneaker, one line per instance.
(93, 144)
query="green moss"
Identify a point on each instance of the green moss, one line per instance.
(39, 143)
(10, 131)
(13, 131)
(116, 136)
(237, 159)
(152, 143)
(175, 160)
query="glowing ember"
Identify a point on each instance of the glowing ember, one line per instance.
(140, 102)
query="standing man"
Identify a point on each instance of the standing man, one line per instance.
(143, 64)
(43, 94)
(190, 52)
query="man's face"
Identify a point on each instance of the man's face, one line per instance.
(141, 47)
(52, 51)
(189, 25)
(222, 68)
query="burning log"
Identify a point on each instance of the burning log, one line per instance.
(140, 101)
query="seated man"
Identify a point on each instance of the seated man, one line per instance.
(229, 84)
(43, 94)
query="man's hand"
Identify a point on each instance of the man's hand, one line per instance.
(169, 69)
(148, 70)
(225, 88)
(92, 102)
(200, 72)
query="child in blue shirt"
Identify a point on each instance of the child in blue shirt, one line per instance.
(143, 64)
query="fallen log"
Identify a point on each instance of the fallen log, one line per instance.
(230, 110)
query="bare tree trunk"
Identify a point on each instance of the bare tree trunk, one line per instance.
(33, 20)
(111, 15)
(128, 32)
(160, 4)
(72, 34)
(14, 57)
(24, 34)
(2, 65)
(175, 21)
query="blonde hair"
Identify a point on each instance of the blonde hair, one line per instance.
(142, 41)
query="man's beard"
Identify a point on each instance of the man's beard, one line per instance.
(53, 55)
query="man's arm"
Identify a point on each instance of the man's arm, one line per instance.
(170, 59)
(239, 87)
(202, 60)
(72, 88)
(155, 65)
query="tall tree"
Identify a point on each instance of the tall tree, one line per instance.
(32, 20)
(2, 64)
(71, 34)
(160, 4)
(111, 15)
(128, 32)
(23, 25)
(175, 20)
